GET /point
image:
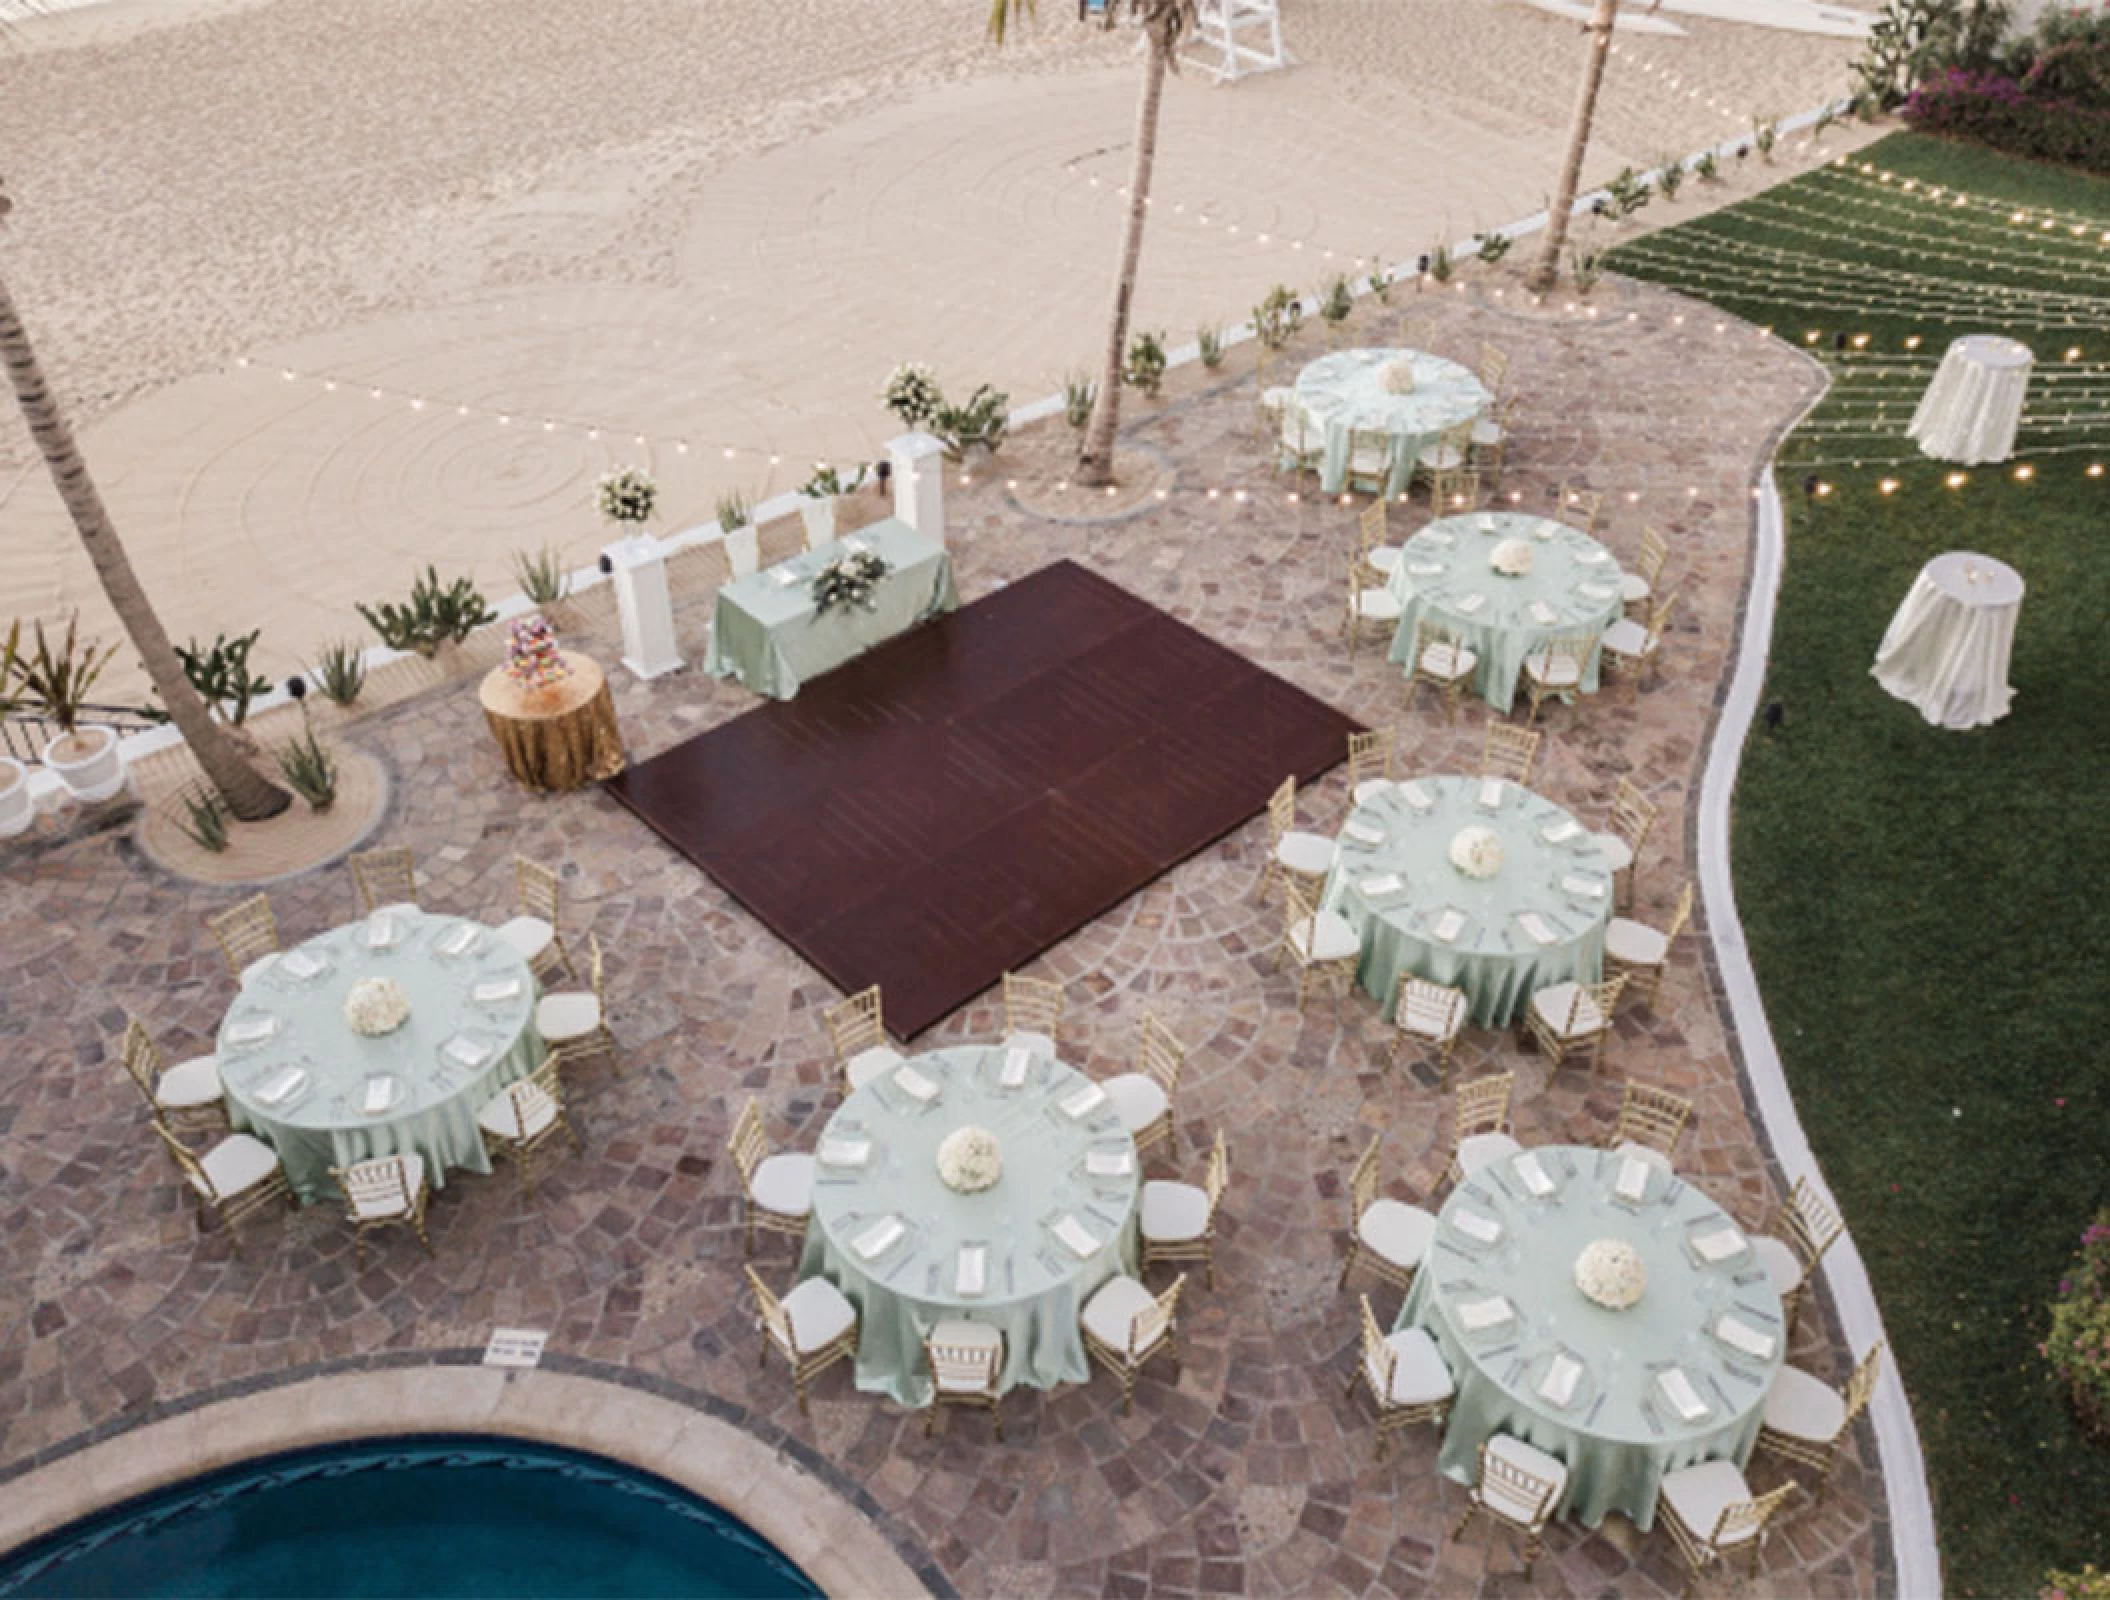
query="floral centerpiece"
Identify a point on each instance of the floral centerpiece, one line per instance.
(1611, 1274)
(912, 394)
(1476, 852)
(2078, 1346)
(1511, 558)
(532, 657)
(626, 495)
(970, 1159)
(376, 1006)
(849, 580)
(1398, 377)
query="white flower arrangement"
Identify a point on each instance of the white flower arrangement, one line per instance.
(1476, 852)
(970, 1159)
(1511, 558)
(1611, 1274)
(376, 1006)
(912, 393)
(1398, 377)
(627, 494)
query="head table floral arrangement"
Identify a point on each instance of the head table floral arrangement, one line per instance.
(375, 1006)
(1476, 852)
(969, 1159)
(626, 495)
(851, 579)
(1610, 1273)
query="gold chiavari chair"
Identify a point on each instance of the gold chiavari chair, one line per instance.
(1490, 441)
(1442, 660)
(1806, 1420)
(812, 1327)
(1626, 828)
(1417, 333)
(385, 1192)
(1637, 584)
(235, 1178)
(966, 1362)
(1455, 492)
(247, 934)
(1147, 1098)
(1641, 952)
(857, 1034)
(1631, 650)
(533, 930)
(1494, 369)
(1321, 942)
(1371, 534)
(1178, 1220)
(1517, 1487)
(1711, 1515)
(1556, 670)
(1651, 1122)
(1509, 753)
(1405, 1375)
(1480, 1135)
(1125, 1325)
(1802, 1230)
(1369, 765)
(1293, 855)
(1370, 461)
(1449, 453)
(1370, 604)
(1300, 444)
(1428, 1014)
(186, 1096)
(385, 879)
(1578, 507)
(1032, 1013)
(574, 1022)
(526, 1116)
(776, 1190)
(1389, 1237)
(1573, 1019)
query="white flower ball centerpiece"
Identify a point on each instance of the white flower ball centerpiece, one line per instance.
(1511, 558)
(970, 1159)
(1476, 852)
(1610, 1274)
(376, 1006)
(1398, 377)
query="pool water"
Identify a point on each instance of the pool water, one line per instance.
(427, 1515)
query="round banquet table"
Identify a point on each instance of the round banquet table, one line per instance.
(1345, 394)
(556, 737)
(1619, 1433)
(1494, 955)
(1034, 1284)
(469, 1034)
(1971, 410)
(1946, 651)
(1444, 576)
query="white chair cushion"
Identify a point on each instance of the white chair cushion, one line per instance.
(530, 936)
(1632, 587)
(257, 968)
(784, 1184)
(958, 1334)
(1326, 937)
(1700, 1494)
(1418, 1373)
(1553, 1006)
(1557, 672)
(1038, 1044)
(1477, 1150)
(1109, 1314)
(965, 1335)
(1309, 855)
(1369, 789)
(571, 1014)
(1783, 1266)
(1618, 854)
(1429, 1019)
(866, 1065)
(371, 1207)
(1499, 1496)
(1138, 1098)
(1626, 637)
(1804, 1407)
(1396, 1232)
(397, 908)
(1441, 458)
(195, 1082)
(1377, 605)
(1448, 660)
(818, 1313)
(516, 1115)
(1635, 943)
(1644, 1154)
(1174, 1212)
(1487, 432)
(1384, 557)
(236, 1163)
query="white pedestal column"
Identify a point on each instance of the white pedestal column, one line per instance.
(919, 483)
(641, 595)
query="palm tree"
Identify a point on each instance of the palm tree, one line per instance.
(1598, 31)
(247, 793)
(1164, 23)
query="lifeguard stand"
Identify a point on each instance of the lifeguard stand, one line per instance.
(1233, 38)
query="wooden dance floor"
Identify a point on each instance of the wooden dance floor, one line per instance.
(958, 800)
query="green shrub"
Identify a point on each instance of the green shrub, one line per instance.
(1210, 341)
(310, 771)
(1670, 176)
(1278, 317)
(206, 824)
(2078, 1346)
(1586, 267)
(732, 511)
(1494, 245)
(1381, 281)
(1994, 111)
(1337, 302)
(1765, 134)
(2086, 1584)
(541, 575)
(981, 421)
(1626, 194)
(1440, 262)
(1079, 395)
(434, 616)
(56, 681)
(1708, 168)
(1145, 369)
(340, 671)
(220, 673)
(826, 483)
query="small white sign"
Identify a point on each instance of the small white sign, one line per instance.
(515, 1347)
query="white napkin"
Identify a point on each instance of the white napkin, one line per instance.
(465, 1050)
(1742, 1336)
(1017, 1061)
(1437, 537)
(380, 1095)
(1724, 1244)
(283, 1086)
(1558, 1386)
(1526, 1167)
(1491, 790)
(1424, 569)
(1362, 833)
(490, 993)
(1476, 1315)
(1543, 614)
(1468, 603)
(1475, 1226)
(381, 932)
(1487, 524)
(853, 544)
(1448, 927)
(1380, 883)
(459, 940)
(251, 1030)
(1416, 796)
(784, 577)
(1107, 1163)
(1596, 591)
(299, 963)
(836, 1151)
(1085, 1101)
(1632, 1182)
(1535, 927)
(1683, 1397)
(1590, 558)
(1583, 886)
(1560, 832)
(877, 1237)
(972, 1270)
(1077, 1238)
(913, 1084)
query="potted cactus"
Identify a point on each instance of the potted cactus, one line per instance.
(17, 809)
(56, 683)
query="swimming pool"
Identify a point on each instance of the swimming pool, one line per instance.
(431, 1514)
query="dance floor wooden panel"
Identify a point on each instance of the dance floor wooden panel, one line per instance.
(958, 800)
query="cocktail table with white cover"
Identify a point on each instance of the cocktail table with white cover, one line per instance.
(1033, 1283)
(1553, 881)
(469, 1034)
(1971, 410)
(1946, 651)
(1621, 1429)
(1344, 394)
(765, 630)
(1444, 575)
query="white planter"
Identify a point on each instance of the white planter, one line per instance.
(17, 809)
(819, 517)
(97, 774)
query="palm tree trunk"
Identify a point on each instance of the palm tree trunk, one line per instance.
(247, 793)
(1547, 269)
(1095, 461)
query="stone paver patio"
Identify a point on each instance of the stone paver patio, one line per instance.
(1250, 1472)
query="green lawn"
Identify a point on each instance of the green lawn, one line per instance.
(1929, 911)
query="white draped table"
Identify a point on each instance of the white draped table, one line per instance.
(1970, 410)
(1946, 650)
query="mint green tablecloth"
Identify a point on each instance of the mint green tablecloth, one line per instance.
(765, 632)
(1618, 1436)
(1344, 393)
(1035, 1284)
(1573, 577)
(324, 1124)
(1493, 958)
